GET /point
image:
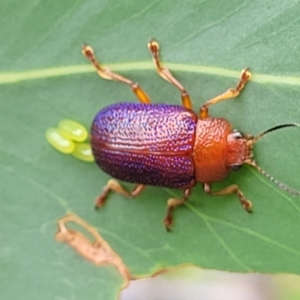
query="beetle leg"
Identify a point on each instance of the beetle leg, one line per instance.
(114, 185)
(106, 73)
(229, 94)
(172, 203)
(153, 47)
(231, 189)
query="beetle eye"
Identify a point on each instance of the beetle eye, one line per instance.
(235, 167)
(237, 134)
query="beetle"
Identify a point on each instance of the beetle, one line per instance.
(169, 145)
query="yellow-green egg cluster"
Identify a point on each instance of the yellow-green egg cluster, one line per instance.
(69, 137)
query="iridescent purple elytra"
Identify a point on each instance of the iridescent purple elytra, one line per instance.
(146, 144)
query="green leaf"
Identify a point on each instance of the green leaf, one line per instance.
(45, 79)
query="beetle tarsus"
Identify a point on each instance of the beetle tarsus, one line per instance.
(231, 189)
(168, 221)
(106, 73)
(172, 203)
(114, 186)
(165, 73)
(245, 76)
(247, 205)
(100, 201)
(228, 94)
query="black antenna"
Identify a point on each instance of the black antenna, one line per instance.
(255, 139)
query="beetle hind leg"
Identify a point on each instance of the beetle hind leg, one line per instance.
(172, 203)
(114, 186)
(106, 73)
(153, 47)
(231, 189)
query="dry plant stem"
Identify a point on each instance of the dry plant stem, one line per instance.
(98, 251)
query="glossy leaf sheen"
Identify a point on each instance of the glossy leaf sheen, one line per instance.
(39, 184)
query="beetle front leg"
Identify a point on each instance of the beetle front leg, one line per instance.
(106, 73)
(172, 203)
(114, 186)
(231, 189)
(153, 47)
(229, 94)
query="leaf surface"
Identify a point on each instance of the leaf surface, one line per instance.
(45, 79)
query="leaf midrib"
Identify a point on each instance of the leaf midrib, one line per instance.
(14, 77)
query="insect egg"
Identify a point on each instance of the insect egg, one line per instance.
(72, 130)
(59, 142)
(83, 152)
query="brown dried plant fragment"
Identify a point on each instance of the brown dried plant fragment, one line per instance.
(98, 251)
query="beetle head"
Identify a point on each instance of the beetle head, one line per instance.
(237, 150)
(245, 145)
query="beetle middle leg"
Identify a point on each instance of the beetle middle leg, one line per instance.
(106, 73)
(172, 203)
(114, 185)
(229, 94)
(231, 189)
(153, 47)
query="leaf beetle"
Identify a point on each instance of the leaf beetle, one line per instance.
(170, 145)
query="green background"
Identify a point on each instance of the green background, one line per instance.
(40, 185)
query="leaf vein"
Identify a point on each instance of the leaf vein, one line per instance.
(224, 245)
(245, 230)
(15, 77)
